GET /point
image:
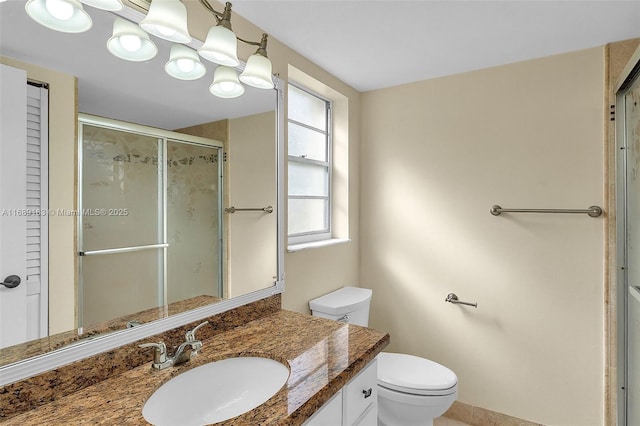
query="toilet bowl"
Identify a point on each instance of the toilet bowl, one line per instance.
(412, 391)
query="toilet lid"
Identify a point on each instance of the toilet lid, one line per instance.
(415, 375)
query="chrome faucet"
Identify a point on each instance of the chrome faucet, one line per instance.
(185, 351)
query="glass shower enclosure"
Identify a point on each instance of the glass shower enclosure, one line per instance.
(149, 219)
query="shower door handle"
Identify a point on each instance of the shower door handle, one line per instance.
(12, 281)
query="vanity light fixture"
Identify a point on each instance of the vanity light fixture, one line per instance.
(221, 47)
(257, 72)
(184, 63)
(130, 42)
(110, 5)
(225, 83)
(167, 19)
(66, 16)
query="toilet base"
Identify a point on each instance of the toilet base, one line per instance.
(393, 414)
(398, 409)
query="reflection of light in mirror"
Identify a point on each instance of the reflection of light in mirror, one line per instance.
(165, 31)
(227, 86)
(225, 83)
(185, 65)
(66, 16)
(59, 9)
(130, 42)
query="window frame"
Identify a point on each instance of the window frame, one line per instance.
(327, 233)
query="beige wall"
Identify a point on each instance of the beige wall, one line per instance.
(62, 173)
(437, 155)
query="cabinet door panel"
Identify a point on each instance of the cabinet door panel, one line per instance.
(369, 417)
(329, 414)
(360, 393)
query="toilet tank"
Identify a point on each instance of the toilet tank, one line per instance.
(348, 304)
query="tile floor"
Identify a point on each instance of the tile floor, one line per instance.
(444, 421)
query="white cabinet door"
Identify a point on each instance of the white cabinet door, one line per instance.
(360, 395)
(369, 417)
(330, 414)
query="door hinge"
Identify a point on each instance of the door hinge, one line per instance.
(612, 113)
(224, 157)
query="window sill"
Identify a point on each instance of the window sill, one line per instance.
(316, 244)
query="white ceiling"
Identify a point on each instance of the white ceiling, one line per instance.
(371, 44)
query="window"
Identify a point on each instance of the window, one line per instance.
(310, 164)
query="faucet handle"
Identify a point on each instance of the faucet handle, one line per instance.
(159, 354)
(191, 334)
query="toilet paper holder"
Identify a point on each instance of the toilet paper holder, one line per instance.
(452, 298)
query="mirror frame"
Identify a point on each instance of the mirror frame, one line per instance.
(82, 349)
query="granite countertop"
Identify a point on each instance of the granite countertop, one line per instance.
(322, 355)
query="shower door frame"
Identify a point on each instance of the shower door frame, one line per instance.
(164, 137)
(628, 80)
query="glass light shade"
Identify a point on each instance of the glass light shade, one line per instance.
(225, 83)
(221, 47)
(130, 42)
(167, 19)
(257, 73)
(184, 63)
(66, 16)
(111, 5)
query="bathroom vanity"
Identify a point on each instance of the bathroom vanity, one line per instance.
(332, 365)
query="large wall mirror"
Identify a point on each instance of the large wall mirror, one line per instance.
(127, 132)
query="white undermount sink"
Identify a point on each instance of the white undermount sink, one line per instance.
(215, 392)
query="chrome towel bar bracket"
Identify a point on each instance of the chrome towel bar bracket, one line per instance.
(593, 211)
(452, 298)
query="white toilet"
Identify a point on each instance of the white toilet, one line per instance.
(412, 391)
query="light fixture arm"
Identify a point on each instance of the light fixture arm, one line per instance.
(262, 44)
(210, 8)
(224, 19)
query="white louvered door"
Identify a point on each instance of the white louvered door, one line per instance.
(23, 208)
(37, 201)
